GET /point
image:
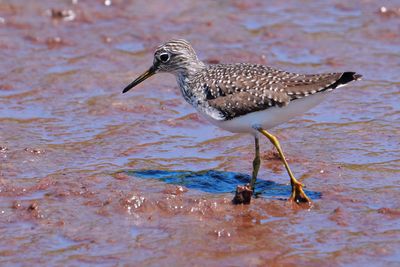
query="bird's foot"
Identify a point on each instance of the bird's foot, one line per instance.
(298, 196)
(243, 194)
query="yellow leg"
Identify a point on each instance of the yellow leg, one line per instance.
(243, 193)
(298, 194)
(256, 164)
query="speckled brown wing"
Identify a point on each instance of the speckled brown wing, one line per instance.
(238, 89)
(299, 86)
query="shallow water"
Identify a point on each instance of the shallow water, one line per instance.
(90, 176)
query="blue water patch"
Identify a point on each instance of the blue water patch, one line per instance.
(130, 47)
(28, 112)
(218, 182)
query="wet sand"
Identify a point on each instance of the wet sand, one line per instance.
(89, 176)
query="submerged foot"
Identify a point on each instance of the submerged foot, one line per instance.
(298, 195)
(243, 194)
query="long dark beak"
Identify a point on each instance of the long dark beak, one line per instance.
(150, 72)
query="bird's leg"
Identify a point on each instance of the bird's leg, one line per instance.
(244, 192)
(256, 164)
(298, 194)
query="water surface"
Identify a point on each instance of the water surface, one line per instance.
(90, 176)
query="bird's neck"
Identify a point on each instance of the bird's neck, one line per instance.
(185, 76)
(190, 69)
(183, 80)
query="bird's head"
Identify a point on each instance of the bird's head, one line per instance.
(175, 56)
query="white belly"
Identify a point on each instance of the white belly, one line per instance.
(270, 117)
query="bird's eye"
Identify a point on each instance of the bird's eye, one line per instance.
(164, 57)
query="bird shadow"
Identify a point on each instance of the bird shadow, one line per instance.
(218, 182)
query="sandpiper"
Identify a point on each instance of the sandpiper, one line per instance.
(244, 98)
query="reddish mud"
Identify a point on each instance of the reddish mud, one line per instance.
(89, 176)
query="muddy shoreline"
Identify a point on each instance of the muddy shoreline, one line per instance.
(89, 176)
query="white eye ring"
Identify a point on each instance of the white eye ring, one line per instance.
(164, 57)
